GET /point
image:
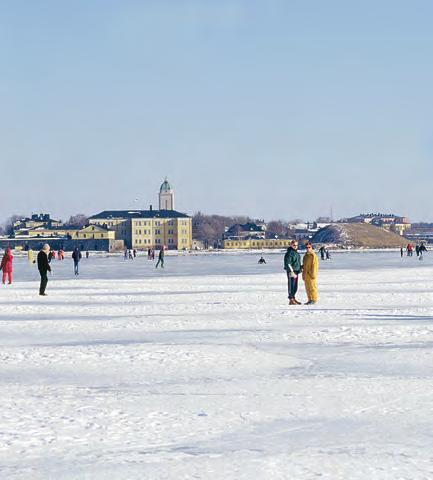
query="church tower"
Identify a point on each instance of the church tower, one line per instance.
(166, 196)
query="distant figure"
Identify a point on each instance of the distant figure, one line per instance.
(149, 253)
(76, 256)
(322, 252)
(44, 268)
(409, 250)
(30, 255)
(401, 252)
(6, 266)
(417, 250)
(261, 260)
(125, 254)
(310, 265)
(130, 255)
(160, 258)
(422, 249)
(328, 254)
(152, 254)
(134, 252)
(61, 254)
(87, 253)
(50, 256)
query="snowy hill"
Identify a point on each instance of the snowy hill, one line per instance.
(359, 235)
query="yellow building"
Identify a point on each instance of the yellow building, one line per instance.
(90, 232)
(143, 229)
(256, 243)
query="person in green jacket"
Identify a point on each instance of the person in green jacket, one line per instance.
(292, 265)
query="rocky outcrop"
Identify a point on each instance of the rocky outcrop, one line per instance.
(358, 235)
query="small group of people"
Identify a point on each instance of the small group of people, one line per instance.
(151, 254)
(308, 268)
(129, 254)
(419, 250)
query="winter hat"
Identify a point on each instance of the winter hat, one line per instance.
(46, 248)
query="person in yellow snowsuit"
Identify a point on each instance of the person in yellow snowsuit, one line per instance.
(310, 266)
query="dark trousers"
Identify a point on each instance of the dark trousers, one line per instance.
(292, 284)
(160, 260)
(76, 268)
(44, 281)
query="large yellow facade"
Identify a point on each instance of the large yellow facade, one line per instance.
(143, 233)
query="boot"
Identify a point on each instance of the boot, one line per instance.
(292, 301)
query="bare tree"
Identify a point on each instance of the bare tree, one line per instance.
(8, 225)
(277, 228)
(78, 220)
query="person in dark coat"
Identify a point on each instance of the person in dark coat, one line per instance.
(261, 260)
(160, 258)
(76, 256)
(44, 268)
(292, 265)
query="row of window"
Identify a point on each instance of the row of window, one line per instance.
(148, 232)
(139, 223)
(258, 244)
(145, 241)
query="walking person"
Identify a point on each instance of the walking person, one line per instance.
(401, 252)
(292, 265)
(310, 266)
(76, 256)
(160, 258)
(44, 268)
(6, 266)
(322, 252)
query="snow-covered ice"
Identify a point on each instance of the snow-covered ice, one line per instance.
(203, 371)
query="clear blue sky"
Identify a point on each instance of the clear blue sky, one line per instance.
(276, 109)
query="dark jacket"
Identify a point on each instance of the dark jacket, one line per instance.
(292, 261)
(43, 265)
(161, 254)
(76, 255)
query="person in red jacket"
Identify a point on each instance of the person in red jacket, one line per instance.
(6, 266)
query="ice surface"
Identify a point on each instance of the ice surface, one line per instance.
(203, 371)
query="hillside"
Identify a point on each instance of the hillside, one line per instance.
(361, 235)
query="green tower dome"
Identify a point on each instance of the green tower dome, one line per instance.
(165, 186)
